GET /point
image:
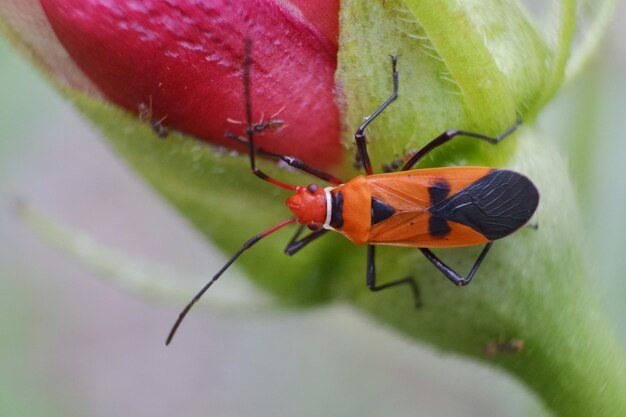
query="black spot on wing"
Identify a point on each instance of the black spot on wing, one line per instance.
(438, 193)
(438, 227)
(380, 211)
(495, 205)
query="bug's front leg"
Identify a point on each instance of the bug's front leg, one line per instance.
(371, 278)
(295, 244)
(451, 274)
(359, 136)
(289, 160)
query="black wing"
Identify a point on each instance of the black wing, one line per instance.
(496, 205)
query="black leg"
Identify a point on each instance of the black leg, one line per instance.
(296, 235)
(289, 160)
(452, 275)
(359, 136)
(447, 136)
(371, 277)
(250, 129)
(295, 245)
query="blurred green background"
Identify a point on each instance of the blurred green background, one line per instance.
(72, 345)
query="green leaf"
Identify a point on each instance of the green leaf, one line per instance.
(473, 65)
(598, 16)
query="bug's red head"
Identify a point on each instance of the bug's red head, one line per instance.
(309, 205)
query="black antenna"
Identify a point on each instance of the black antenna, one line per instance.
(232, 259)
(247, 64)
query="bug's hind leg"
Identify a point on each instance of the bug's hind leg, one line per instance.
(412, 157)
(451, 274)
(359, 136)
(371, 278)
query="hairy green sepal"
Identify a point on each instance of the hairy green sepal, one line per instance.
(477, 66)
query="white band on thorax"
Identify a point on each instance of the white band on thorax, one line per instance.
(329, 209)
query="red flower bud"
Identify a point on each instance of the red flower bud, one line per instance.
(185, 58)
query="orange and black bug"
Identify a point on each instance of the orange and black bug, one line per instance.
(422, 208)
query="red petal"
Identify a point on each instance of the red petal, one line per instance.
(186, 56)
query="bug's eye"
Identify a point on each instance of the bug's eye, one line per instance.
(312, 188)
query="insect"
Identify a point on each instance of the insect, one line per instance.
(513, 346)
(421, 208)
(146, 116)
